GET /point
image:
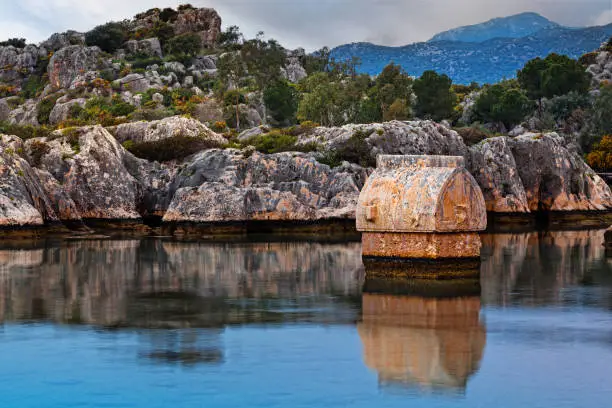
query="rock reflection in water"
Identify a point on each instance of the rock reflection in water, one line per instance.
(420, 334)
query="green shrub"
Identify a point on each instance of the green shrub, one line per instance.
(144, 62)
(45, 107)
(109, 37)
(474, 134)
(274, 142)
(24, 131)
(354, 150)
(174, 148)
(15, 42)
(168, 14)
(33, 86)
(188, 44)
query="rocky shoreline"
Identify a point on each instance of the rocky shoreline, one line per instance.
(82, 176)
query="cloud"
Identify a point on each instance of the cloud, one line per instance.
(307, 23)
(604, 18)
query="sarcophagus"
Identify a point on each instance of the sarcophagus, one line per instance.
(421, 207)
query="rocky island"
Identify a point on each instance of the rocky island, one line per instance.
(180, 122)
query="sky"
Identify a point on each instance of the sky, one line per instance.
(303, 23)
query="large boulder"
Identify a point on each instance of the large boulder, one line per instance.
(528, 173)
(555, 178)
(168, 128)
(5, 109)
(23, 201)
(15, 63)
(204, 21)
(149, 47)
(61, 111)
(494, 168)
(93, 170)
(25, 114)
(601, 69)
(67, 63)
(135, 83)
(61, 40)
(225, 186)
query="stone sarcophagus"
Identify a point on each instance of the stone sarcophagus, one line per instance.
(421, 207)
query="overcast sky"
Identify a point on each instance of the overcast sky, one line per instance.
(308, 23)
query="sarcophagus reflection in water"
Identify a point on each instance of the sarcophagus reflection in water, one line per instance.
(422, 334)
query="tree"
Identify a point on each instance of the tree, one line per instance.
(109, 37)
(230, 38)
(15, 42)
(281, 99)
(188, 44)
(318, 61)
(601, 115)
(502, 104)
(393, 86)
(435, 98)
(556, 75)
(263, 59)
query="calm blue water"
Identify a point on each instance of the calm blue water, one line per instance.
(155, 323)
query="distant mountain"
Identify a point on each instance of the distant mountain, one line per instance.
(485, 62)
(517, 26)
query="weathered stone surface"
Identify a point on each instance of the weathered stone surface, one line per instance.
(22, 199)
(149, 47)
(92, 169)
(63, 206)
(293, 70)
(556, 179)
(134, 83)
(517, 175)
(15, 62)
(61, 111)
(67, 63)
(421, 245)
(494, 168)
(602, 68)
(62, 40)
(5, 109)
(204, 21)
(25, 114)
(223, 185)
(175, 126)
(421, 194)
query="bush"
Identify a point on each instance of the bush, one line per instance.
(15, 42)
(24, 131)
(600, 158)
(144, 62)
(174, 148)
(33, 86)
(168, 15)
(38, 150)
(7, 90)
(354, 150)
(588, 59)
(274, 142)
(109, 37)
(219, 126)
(45, 107)
(474, 134)
(188, 44)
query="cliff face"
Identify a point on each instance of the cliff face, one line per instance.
(85, 173)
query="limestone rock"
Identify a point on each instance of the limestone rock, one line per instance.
(22, 199)
(68, 62)
(175, 126)
(62, 204)
(26, 114)
(5, 109)
(602, 68)
(149, 47)
(61, 111)
(203, 62)
(251, 133)
(555, 178)
(223, 185)
(92, 169)
(135, 83)
(204, 21)
(61, 40)
(294, 71)
(493, 166)
(17, 61)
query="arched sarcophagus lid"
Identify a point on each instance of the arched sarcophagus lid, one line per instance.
(421, 194)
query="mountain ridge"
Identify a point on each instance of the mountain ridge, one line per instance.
(484, 62)
(514, 26)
